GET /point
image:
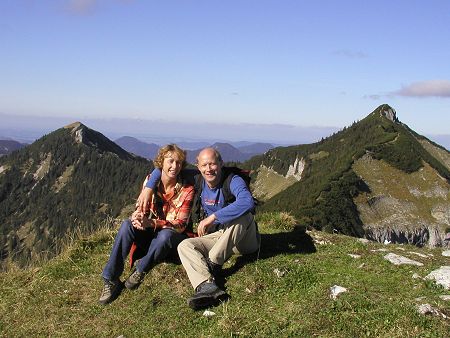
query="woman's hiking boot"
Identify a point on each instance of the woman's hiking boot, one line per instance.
(111, 290)
(135, 279)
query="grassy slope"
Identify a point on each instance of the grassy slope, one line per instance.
(417, 193)
(60, 298)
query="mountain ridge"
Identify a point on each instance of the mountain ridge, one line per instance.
(68, 181)
(323, 192)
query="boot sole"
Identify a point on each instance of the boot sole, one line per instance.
(204, 301)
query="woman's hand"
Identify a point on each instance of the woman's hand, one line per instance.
(144, 199)
(140, 221)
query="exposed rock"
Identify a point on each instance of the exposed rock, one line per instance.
(399, 260)
(427, 309)
(441, 276)
(296, 169)
(446, 253)
(269, 183)
(416, 276)
(43, 168)
(390, 114)
(363, 240)
(335, 290)
(418, 254)
(208, 313)
(445, 297)
(421, 236)
(77, 131)
(354, 256)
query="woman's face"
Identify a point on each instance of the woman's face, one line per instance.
(172, 165)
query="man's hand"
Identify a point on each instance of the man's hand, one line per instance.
(204, 225)
(144, 199)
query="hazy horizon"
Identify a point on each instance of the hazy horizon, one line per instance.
(18, 126)
(27, 129)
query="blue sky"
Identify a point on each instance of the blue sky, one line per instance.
(300, 63)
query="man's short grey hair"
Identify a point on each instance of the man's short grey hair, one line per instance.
(216, 154)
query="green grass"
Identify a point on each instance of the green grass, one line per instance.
(60, 297)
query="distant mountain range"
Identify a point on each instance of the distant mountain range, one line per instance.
(8, 146)
(229, 152)
(137, 147)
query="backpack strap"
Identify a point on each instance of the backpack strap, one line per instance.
(197, 212)
(226, 189)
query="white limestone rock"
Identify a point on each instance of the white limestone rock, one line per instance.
(208, 313)
(363, 240)
(441, 276)
(427, 309)
(399, 260)
(335, 290)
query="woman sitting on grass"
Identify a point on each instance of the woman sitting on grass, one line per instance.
(156, 234)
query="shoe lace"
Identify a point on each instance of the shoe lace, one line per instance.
(138, 276)
(107, 287)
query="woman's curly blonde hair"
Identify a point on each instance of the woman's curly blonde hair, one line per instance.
(169, 148)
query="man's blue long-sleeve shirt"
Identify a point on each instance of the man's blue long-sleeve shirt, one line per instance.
(213, 201)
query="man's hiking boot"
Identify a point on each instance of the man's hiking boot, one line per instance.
(111, 290)
(135, 279)
(206, 294)
(214, 268)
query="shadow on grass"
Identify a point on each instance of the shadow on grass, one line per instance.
(295, 242)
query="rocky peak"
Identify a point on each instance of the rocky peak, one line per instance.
(77, 130)
(94, 139)
(389, 113)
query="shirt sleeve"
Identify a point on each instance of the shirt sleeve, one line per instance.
(242, 204)
(187, 174)
(154, 179)
(182, 213)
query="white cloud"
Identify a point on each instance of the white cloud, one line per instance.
(373, 97)
(81, 6)
(431, 88)
(350, 54)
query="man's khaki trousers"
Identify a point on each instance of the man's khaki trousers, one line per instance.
(240, 236)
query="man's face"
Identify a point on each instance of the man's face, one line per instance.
(171, 165)
(209, 167)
